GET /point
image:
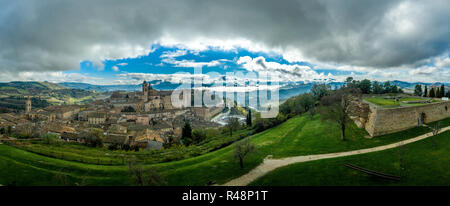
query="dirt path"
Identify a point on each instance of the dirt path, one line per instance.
(271, 164)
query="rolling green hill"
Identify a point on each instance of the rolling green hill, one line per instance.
(420, 163)
(297, 136)
(44, 93)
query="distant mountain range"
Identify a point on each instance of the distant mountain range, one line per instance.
(12, 95)
(69, 90)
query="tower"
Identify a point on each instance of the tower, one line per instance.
(28, 105)
(145, 91)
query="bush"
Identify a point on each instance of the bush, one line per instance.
(51, 139)
(94, 138)
(198, 136)
(262, 124)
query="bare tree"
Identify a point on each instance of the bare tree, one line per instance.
(242, 149)
(436, 129)
(144, 177)
(312, 112)
(336, 107)
(233, 124)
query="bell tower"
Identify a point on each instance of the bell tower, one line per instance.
(28, 105)
(145, 91)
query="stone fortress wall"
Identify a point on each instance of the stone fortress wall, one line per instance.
(379, 121)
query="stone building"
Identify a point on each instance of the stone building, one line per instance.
(147, 100)
(97, 118)
(28, 105)
(64, 112)
(379, 121)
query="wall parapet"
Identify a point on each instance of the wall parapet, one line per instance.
(382, 121)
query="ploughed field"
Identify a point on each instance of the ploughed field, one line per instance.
(299, 135)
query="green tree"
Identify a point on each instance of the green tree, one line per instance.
(336, 108)
(438, 92)
(198, 135)
(377, 88)
(365, 85)
(243, 149)
(418, 90)
(186, 133)
(432, 92)
(306, 101)
(94, 137)
(320, 90)
(312, 112)
(394, 89)
(2, 130)
(249, 118)
(233, 125)
(387, 87)
(425, 93)
(349, 81)
(442, 90)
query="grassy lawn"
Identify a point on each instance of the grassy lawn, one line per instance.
(381, 101)
(421, 164)
(102, 156)
(297, 136)
(442, 123)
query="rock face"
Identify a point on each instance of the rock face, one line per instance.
(359, 112)
(379, 121)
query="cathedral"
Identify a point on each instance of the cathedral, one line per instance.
(153, 100)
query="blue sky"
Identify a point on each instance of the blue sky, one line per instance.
(166, 60)
(103, 42)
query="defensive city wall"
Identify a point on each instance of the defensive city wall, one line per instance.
(378, 120)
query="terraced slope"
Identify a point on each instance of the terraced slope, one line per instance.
(297, 136)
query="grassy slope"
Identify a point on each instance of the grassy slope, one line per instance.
(391, 102)
(422, 164)
(84, 154)
(297, 136)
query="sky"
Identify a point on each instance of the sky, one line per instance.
(126, 42)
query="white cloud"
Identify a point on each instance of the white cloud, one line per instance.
(173, 54)
(55, 77)
(169, 57)
(443, 62)
(282, 72)
(115, 68)
(244, 59)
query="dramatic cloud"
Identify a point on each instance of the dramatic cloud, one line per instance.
(285, 72)
(52, 36)
(48, 76)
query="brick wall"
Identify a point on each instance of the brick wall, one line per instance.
(388, 120)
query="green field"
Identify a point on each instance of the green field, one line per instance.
(381, 101)
(419, 163)
(79, 152)
(297, 136)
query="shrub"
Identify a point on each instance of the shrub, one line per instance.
(51, 139)
(198, 136)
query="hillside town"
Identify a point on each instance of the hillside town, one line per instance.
(142, 119)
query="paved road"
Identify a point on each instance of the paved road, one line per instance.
(271, 164)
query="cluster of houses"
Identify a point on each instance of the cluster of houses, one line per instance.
(145, 119)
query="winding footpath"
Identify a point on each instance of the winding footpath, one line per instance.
(272, 164)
